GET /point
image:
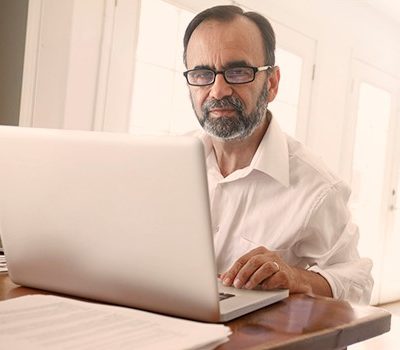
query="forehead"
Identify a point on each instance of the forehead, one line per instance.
(216, 43)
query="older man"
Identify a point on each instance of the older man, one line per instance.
(280, 217)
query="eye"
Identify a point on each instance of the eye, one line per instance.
(202, 74)
(200, 77)
(239, 73)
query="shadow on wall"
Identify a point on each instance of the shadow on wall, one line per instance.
(13, 19)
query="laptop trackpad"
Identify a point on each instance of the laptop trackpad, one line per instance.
(239, 301)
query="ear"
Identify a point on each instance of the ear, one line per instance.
(273, 83)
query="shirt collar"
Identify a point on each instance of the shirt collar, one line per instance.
(271, 157)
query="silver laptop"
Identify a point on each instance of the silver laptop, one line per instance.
(115, 218)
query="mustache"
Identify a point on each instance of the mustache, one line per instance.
(226, 102)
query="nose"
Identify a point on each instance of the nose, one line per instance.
(220, 88)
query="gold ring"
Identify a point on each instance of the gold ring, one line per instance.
(277, 266)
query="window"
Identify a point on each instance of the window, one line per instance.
(368, 178)
(285, 105)
(160, 102)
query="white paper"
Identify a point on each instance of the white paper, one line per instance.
(48, 322)
(3, 264)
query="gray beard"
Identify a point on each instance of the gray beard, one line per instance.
(233, 128)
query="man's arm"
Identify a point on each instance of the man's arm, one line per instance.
(328, 241)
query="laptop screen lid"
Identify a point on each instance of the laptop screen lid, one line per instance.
(114, 218)
(110, 217)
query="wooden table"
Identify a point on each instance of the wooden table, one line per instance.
(299, 322)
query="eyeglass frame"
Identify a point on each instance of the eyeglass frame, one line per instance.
(255, 71)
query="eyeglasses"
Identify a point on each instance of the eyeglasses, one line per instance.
(236, 75)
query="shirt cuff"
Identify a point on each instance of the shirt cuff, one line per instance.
(335, 290)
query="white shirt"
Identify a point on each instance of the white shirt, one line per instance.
(287, 201)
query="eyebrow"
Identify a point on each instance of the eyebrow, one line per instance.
(232, 64)
(202, 66)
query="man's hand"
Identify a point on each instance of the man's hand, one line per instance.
(267, 269)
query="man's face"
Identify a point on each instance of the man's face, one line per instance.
(228, 111)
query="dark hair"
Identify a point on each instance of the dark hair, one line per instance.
(226, 13)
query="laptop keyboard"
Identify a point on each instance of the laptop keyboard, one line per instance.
(223, 296)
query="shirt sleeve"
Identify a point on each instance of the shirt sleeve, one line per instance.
(329, 243)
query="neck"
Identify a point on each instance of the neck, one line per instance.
(234, 155)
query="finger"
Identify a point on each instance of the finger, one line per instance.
(265, 271)
(229, 276)
(253, 265)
